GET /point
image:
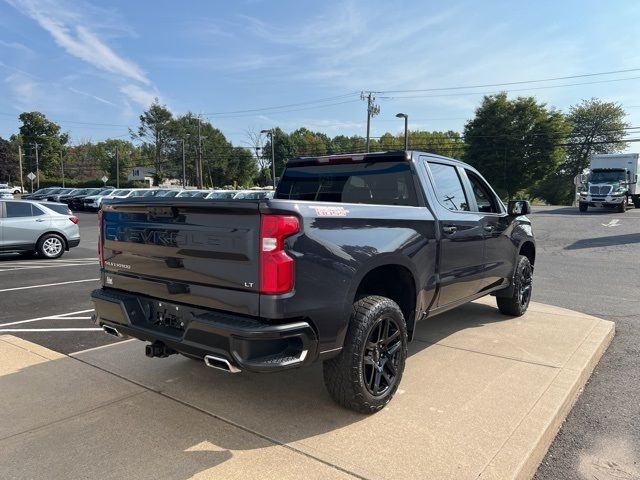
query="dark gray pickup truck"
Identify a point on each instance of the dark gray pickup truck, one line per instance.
(338, 267)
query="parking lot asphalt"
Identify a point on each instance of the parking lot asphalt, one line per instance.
(587, 262)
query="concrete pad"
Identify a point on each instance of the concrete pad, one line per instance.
(39, 386)
(483, 395)
(148, 436)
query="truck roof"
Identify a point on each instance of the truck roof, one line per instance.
(390, 155)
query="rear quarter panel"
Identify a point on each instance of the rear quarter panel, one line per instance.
(338, 245)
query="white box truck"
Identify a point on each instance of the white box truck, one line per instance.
(612, 181)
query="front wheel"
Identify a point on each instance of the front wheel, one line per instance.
(366, 374)
(583, 207)
(51, 245)
(623, 206)
(518, 303)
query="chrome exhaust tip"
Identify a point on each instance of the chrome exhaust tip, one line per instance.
(112, 331)
(220, 363)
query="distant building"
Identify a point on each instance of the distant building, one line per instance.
(142, 174)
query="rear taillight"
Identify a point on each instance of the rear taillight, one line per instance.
(74, 220)
(100, 239)
(277, 273)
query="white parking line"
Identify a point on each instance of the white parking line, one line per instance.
(102, 346)
(62, 316)
(49, 285)
(23, 330)
(30, 265)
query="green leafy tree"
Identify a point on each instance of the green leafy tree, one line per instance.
(37, 129)
(8, 162)
(155, 129)
(515, 143)
(596, 127)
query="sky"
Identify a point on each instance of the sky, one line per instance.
(93, 67)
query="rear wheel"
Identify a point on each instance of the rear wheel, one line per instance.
(518, 303)
(636, 202)
(583, 207)
(366, 374)
(51, 245)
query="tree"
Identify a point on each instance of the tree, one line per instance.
(37, 129)
(515, 143)
(596, 127)
(8, 162)
(155, 129)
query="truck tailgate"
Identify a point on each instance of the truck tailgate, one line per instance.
(201, 252)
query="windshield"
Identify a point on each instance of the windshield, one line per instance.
(168, 193)
(607, 176)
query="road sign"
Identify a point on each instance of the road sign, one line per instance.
(31, 176)
(104, 179)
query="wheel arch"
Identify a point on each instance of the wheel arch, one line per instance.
(393, 280)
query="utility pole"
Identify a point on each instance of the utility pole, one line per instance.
(20, 164)
(62, 167)
(271, 134)
(37, 167)
(199, 156)
(117, 169)
(184, 167)
(372, 111)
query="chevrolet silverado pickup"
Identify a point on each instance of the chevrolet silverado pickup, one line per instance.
(337, 268)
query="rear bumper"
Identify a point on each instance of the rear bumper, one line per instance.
(246, 343)
(74, 242)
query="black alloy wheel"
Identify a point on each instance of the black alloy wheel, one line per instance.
(381, 356)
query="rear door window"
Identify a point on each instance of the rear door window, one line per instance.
(449, 187)
(379, 183)
(18, 209)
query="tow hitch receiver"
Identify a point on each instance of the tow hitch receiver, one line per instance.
(158, 349)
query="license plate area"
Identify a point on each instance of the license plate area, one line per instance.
(167, 317)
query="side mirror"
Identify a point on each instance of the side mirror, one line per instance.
(518, 207)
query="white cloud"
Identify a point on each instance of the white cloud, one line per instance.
(139, 95)
(70, 31)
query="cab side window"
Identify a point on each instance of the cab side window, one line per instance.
(449, 187)
(486, 201)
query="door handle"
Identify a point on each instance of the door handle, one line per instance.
(39, 220)
(450, 229)
(488, 228)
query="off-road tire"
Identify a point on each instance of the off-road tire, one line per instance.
(517, 304)
(344, 375)
(583, 207)
(45, 249)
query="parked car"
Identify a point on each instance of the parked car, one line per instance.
(66, 198)
(254, 194)
(338, 267)
(169, 193)
(193, 193)
(6, 195)
(77, 201)
(40, 193)
(28, 227)
(54, 195)
(13, 189)
(223, 194)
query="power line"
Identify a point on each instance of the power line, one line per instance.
(520, 82)
(253, 110)
(511, 90)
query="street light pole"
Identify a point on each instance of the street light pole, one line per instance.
(273, 154)
(20, 164)
(406, 129)
(37, 167)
